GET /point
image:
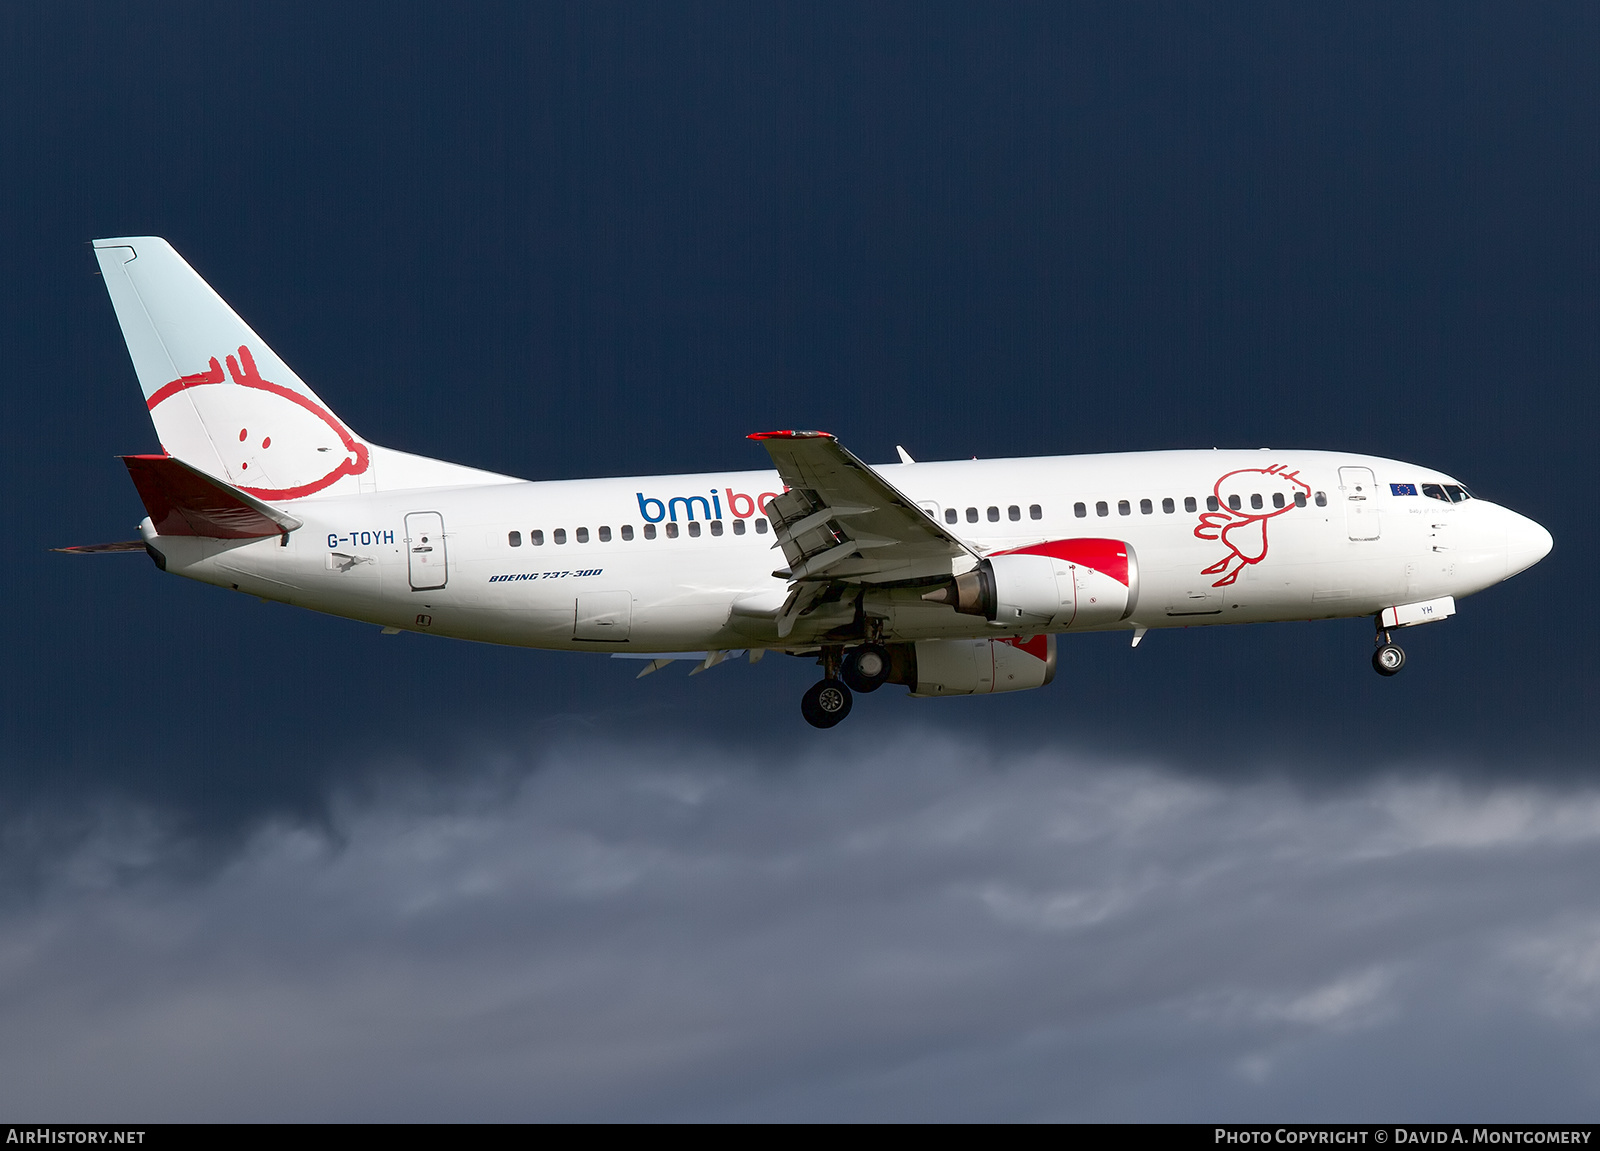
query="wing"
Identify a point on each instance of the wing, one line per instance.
(841, 521)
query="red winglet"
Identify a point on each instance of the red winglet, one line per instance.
(185, 502)
(790, 436)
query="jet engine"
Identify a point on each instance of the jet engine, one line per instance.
(973, 666)
(1058, 584)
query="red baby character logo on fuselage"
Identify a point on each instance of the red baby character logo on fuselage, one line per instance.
(276, 443)
(1240, 521)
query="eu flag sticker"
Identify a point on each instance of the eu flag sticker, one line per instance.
(1402, 489)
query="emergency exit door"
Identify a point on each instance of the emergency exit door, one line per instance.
(1360, 494)
(425, 553)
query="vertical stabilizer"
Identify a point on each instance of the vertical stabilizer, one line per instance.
(223, 402)
(221, 399)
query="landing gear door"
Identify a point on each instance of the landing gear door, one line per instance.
(1360, 494)
(425, 554)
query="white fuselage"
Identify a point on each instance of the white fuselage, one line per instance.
(694, 573)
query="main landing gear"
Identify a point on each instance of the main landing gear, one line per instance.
(1389, 658)
(864, 669)
(826, 703)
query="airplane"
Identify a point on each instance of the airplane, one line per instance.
(949, 578)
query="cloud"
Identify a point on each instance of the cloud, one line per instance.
(928, 928)
(1565, 962)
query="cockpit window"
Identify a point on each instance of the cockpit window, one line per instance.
(1449, 493)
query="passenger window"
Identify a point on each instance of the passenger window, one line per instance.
(1168, 507)
(1013, 512)
(1146, 507)
(536, 538)
(672, 531)
(1255, 501)
(649, 531)
(1100, 508)
(738, 527)
(605, 534)
(1277, 499)
(583, 535)
(1322, 499)
(1211, 504)
(951, 515)
(716, 527)
(514, 539)
(559, 535)
(1299, 499)
(694, 528)
(1124, 508)
(761, 527)
(627, 531)
(994, 515)
(1035, 512)
(1235, 502)
(1079, 510)
(1188, 503)
(972, 515)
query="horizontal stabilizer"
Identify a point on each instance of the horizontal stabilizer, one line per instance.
(184, 501)
(103, 549)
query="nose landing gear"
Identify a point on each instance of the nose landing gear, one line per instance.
(1389, 658)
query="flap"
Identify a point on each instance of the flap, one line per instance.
(840, 520)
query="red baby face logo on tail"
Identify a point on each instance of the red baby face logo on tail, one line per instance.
(276, 443)
(1239, 524)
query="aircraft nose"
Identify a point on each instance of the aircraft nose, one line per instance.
(1526, 544)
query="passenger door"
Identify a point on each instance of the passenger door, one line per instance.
(426, 562)
(1360, 503)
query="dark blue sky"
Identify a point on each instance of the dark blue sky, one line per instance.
(589, 239)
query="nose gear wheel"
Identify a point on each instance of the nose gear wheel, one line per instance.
(1388, 659)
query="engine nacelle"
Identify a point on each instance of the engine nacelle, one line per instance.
(1057, 584)
(975, 666)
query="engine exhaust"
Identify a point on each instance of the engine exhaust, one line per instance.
(970, 594)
